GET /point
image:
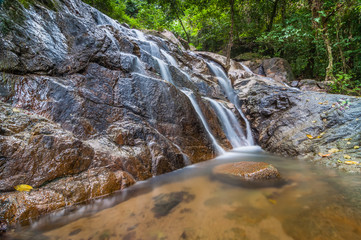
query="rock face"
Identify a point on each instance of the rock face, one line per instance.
(306, 124)
(277, 68)
(89, 106)
(248, 174)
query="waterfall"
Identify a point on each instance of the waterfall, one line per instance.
(169, 58)
(194, 102)
(229, 124)
(164, 70)
(228, 120)
(231, 95)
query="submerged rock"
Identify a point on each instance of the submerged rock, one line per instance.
(164, 203)
(248, 174)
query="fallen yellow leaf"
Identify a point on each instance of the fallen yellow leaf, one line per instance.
(16, 110)
(333, 150)
(339, 161)
(324, 155)
(23, 187)
(348, 139)
(351, 162)
(348, 143)
(309, 136)
(320, 103)
(357, 119)
(272, 201)
(333, 105)
(314, 121)
(356, 147)
(346, 156)
(324, 120)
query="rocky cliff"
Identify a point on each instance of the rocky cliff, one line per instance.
(89, 106)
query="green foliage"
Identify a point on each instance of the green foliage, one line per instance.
(343, 84)
(113, 8)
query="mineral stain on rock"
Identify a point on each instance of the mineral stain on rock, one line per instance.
(165, 202)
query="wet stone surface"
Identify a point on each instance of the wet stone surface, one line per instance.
(248, 174)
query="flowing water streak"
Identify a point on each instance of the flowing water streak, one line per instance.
(164, 70)
(169, 58)
(232, 96)
(194, 102)
(229, 123)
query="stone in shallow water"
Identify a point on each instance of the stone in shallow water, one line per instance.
(249, 174)
(165, 202)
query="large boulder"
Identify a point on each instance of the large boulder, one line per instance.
(321, 127)
(277, 68)
(248, 174)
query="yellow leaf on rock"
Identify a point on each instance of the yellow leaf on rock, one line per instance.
(346, 156)
(333, 150)
(351, 162)
(339, 161)
(309, 136)
(348, 139)
(23, 188)
(324, 155)
(356, 147)
(314, 121)
(16, 110)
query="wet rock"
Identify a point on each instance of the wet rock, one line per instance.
(277, 68)
(312, 85)
(3, 226)
(303, 124)
(248, 174)
(165, 202)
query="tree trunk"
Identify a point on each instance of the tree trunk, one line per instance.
(321, 26)
(230, 43)
(329, 69)
(177, 10)
(273, 15)
(342, 56)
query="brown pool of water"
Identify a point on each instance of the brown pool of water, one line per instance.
(191, 204)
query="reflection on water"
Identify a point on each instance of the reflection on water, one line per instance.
(190, 204)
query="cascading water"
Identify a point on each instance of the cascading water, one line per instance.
(164, 70)
(227, 118)
(194, 102)
(229, 123)
(232, 96)
(170, 59)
